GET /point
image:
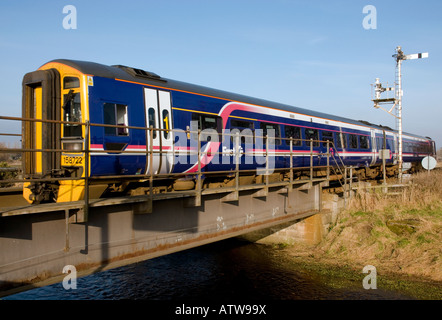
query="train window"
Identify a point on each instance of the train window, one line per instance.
(109, 118)
(312, 134)
(152, 122)
(363, 142)
(241, 124)
(72, 113)
(245, 129)
(427, 147)
(295, 133)
(390, 144)
(207, 122)
(327, 136)
(421, 148)
(380, 143)
(166, 123)
(353, 141)
(71, 82)
(115, 114)
(408, 147)
(122, 119)
(414, 148)
(273, 131)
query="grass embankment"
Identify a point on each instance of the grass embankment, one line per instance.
(400, 235)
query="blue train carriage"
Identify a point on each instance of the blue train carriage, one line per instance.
(119, 103)
(415, 148)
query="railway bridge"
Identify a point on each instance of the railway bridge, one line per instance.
(36, 242)
(95, 232)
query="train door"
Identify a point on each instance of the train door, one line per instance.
(373, 147)
(41, 101)
(312, 143)
(340, 146)
(326, 136)
(157, 105)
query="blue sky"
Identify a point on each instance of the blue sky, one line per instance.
(312, 54)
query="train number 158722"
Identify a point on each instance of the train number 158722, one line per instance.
(72, 160)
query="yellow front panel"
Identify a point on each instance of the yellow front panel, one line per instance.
(72, 160)
(71, 190)
(27, 192)
(38, 129)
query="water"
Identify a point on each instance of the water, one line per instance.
(230, 269)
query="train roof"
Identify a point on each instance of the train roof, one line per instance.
(141, 76)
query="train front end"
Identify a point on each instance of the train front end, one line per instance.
(54, 110)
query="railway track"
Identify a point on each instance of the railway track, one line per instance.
(12, 197)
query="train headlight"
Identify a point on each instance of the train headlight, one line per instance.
(73, 145)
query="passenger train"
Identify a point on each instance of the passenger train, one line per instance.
(113, 126)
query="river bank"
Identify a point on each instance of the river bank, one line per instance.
(348, 275)
(401, 236)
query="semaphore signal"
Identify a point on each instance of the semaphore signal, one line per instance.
(397, 101)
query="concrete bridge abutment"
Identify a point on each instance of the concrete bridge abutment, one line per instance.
(309, 230)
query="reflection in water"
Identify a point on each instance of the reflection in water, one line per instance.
(230, 269)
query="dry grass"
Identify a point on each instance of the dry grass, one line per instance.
(401, 234)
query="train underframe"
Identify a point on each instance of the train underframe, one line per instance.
(59, 184)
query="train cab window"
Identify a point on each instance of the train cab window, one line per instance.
(312, 134)
(363, 142)
(71, 82)
(273, 131)
(353, 141)
(115, 114)
(327, 136)
(72, 113)
(295, 133)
